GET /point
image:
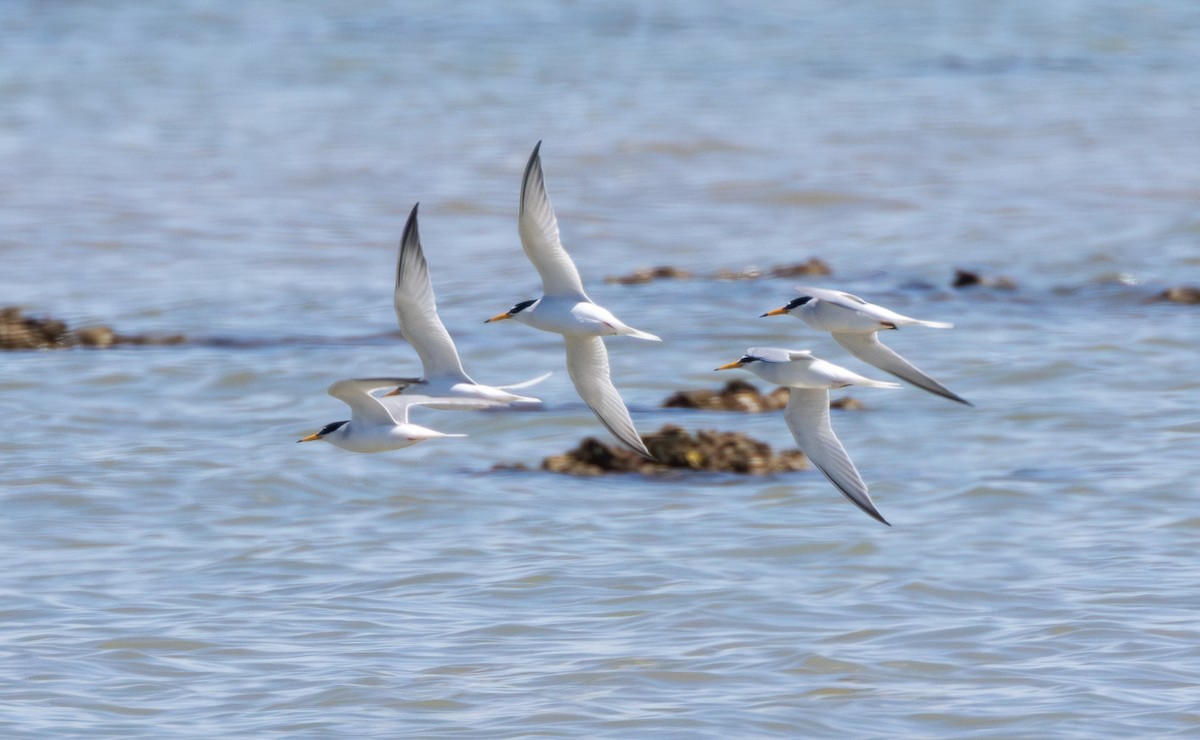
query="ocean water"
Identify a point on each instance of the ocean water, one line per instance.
(175, 566)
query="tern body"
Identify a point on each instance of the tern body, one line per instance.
(567, 315)
(376, 423)
(566, 309)
(808, 380)
(416, 313)
(855, 324)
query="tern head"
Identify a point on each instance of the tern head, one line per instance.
(336, 427)
(512, 312)
(762, 356)
(792, 305)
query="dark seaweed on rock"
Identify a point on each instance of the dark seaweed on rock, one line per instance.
(675, 449)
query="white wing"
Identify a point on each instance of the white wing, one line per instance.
(869, 349)
(861, 307)
(539, 235)
(837, 297)
(525, 383)
(356, 393)
(807, 416)
(398, 406)
(416, 309)
(587, 364)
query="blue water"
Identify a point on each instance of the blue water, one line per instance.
(175, 566)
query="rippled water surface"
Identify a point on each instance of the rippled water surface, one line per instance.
(175, 566)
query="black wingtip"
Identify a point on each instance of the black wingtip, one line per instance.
(410, 226)
(534, 163)
(875, 515)
(957, 398)
(871, 512)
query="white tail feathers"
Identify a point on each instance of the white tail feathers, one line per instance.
(629, 331)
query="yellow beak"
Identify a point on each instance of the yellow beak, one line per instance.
(499, 317)
(310, 438)
(730, 366)
(775, 312)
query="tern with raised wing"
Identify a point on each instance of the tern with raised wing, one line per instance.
(855, 325)
(416, 312)
(378, 423)
(566, 309)
(808, 380)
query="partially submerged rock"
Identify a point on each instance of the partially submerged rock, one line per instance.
(969, 279)
(810, 267)
(1189, 294)
(738, 395)
(18, 331)
(25, 332)
(647, 274)
(675, 449)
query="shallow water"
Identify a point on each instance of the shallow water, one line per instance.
(177, 567)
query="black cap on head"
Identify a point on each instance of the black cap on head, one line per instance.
(332, 427)
(521, 306)
(797, 302)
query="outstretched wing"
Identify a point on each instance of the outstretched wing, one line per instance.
(869, 349)
(873, 311)
(587, 364)
(416, 308)
(538, 228)
(807, 416)
(356, 393)
(525, 383)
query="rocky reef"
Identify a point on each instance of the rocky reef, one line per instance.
(18, 331)
(648, 274)
(810, 267)
(676, 449)
(969, 279)
(738, 395)
(1188, 294)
